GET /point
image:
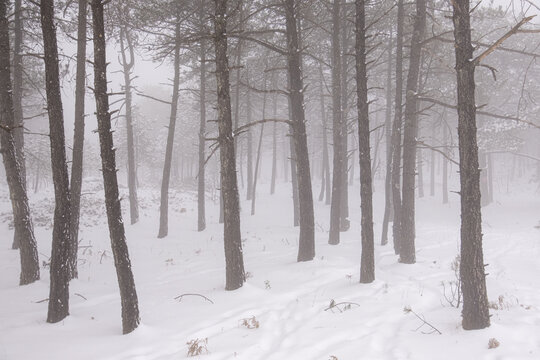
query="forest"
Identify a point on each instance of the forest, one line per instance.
(269, 179)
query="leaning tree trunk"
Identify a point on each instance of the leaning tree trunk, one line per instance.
(127, 67)
(407, 252)
(473, 279)
(59, 289)
(234, 262)
(128, 293)
(78, 139)
(164, 205)
(367, 268)
(18, 131)
(388, 131)
(306, 251)
(17, 189)
(337, 126)
(396, 131)
(201, 213)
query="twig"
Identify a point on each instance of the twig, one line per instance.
(179, 297)
(407, 309)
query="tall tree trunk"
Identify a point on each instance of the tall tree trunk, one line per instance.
(274, 139)
(445, 163)
(344, 223)
(128, 293)
(164, 207)
(338, 128)
(432, 164)
(396, 131)
(17, 189)
(259, 151)
(78, 138)
(388, 132)
(18, 131)
(201, 218)
(407, 252)
(127, 67)
(292, 162)
(367, 268)
(473, 279)
(61, 243)
(234, 262)
(306, 251)
(249, 152)
(325, 171)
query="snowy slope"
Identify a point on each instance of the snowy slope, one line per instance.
(288, 299)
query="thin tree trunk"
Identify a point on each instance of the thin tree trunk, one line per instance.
(201, 218)
(127, 67)
(164, 207)
(407, 252)
(367, 267)
(274, 140)
(17, 189)
(445, 164)
(234, 268)
(306, 251)
(338, 128)
(396, 131)
(432, 165)
(249, 152)
(388, 131)
(126, 283)
(259, 151)
(344, 223)
(292, 161)
(18, 131)
(78, 138)
(473, 279)
(61, 243)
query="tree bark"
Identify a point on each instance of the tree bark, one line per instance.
(388, 131)
(164, 207)
(407, 250)
(445, 164)
(274, 140)
(306, 251)
(396, 131)
(473, 279)
(234, 262)
(16, 184)
(128, 293)
(344, 222)
(367, 267)
(78, 138)
(249, 151)
(337, 127)
(325, 171)
(201, 211)
(127, 67)
(59, 289)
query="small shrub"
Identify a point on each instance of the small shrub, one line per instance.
(267, 284)
(250, 323)
(493, 343)
(197, 347)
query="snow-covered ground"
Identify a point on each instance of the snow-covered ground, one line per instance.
(289, 300)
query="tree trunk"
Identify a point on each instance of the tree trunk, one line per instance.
(249, 152)
(127, 67)
(473, 279)
(201, 218)
(294, 171)
(388, 131)
(325, 171)
(78, 138)
(128, 293)
(432, 164)
(274, 140)
(344, 222)
(59, 289)
(407, 250)
(18, 131)
(306, 251)
(367, 267)
(259, 151)
(396, 131)
(164, 207)
(445, 164)
(234, 271)
(338, 128)
(17, 189)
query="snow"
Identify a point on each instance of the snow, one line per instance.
(287, 298)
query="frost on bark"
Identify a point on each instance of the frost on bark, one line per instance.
(61, 243)
(126, 283)
(473, 279)
(234, 262)
(17, 189)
